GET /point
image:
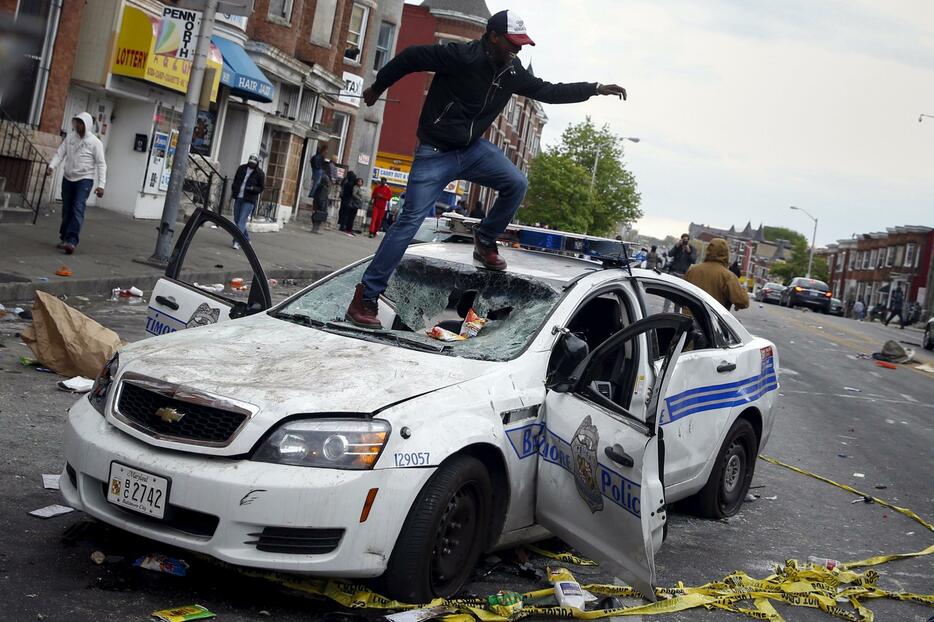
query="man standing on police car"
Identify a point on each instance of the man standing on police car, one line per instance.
(473, 82)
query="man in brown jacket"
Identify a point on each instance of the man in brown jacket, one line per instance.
(714, 277)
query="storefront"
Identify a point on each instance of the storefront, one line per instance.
(396, 172)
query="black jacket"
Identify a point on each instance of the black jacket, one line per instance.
(254, 185)
(681, 259)
(469, 91)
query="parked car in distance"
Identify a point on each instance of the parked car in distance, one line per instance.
(770, 292)
(836, 307)
(928, 340)
(805, 292)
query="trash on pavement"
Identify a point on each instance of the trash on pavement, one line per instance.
(78, 384)
(505, 603)
(64, 271)
(67, 341)
(894, 352)
(98, 557)
(25, 361)
(183, 614)
(163, 563)
(568, 591)
(236, 282)
(823, 562)
(50, 481)
(750, 497)
(418, 615)
(926, 367)
(51, 510)
(272, 282)
(472, 324)
(859, 475)
(214, 289)
(852, 389)
(442, 334)
(886, 365)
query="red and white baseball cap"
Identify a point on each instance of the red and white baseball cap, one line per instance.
(511, 26)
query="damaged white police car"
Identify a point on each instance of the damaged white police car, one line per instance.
(290, 440)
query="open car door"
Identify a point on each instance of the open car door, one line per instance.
(176, 301)
(599, 485)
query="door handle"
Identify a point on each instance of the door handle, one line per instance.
(725, 366)
(167, 302)
(619, 456)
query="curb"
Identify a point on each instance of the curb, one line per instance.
(25, 292)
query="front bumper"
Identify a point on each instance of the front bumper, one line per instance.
(217, 503)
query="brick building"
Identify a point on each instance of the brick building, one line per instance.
(517, 130)
(871, 265)
(756, 255)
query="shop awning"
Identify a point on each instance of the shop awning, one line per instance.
(240, 73)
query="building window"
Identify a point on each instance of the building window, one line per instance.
(287, 102)
(873, 258)
(387, 31)
(338, 138)
(281, 9)
(883, 254)
(322, 27)
(911, 255)
(356, 31)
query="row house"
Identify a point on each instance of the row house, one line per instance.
(755, 254)
(279, 83)
(517, 130)
(870, 266)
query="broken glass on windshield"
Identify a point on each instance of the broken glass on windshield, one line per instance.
(425, 292)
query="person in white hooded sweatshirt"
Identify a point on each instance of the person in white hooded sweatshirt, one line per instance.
(82, 157)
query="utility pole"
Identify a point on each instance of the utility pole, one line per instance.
(173, 196)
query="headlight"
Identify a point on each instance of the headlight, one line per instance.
(101, 388)
(327, 443)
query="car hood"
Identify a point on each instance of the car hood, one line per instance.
(283, 368)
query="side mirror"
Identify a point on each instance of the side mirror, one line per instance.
(569, 353)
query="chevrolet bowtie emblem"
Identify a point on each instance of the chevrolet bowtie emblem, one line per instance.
(169, 415)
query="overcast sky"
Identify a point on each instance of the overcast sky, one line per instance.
(745, 107)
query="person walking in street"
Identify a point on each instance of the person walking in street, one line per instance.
(248, 183)
(652, 259)
(382, 194)
(81, 155)
(713, 276)
(682, 256)
(319, 166)
(472, 84)
(859, 310)
(348, 212)
(896, 303)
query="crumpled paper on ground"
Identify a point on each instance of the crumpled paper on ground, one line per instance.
(67, 341)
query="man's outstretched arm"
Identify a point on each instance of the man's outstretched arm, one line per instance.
(437, 58)
(566, 93)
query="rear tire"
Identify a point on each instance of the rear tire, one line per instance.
(928, 339)
(443, 536)
(732, 473)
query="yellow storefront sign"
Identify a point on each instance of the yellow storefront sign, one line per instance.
(134, 55)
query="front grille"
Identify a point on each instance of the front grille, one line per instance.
(199, 423)
(181, 519)
(297, 541)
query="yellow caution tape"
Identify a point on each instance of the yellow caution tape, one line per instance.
(900, 510)
(567, 558)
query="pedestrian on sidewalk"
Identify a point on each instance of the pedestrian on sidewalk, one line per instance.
(680, 258)
(652, 258)
(713, 276)
(81, 155)
(896, 302)
(347, 213)
(859, 310)
(319, 167)
(361, 195)
(472, 84)
(248, 183)
(381, 197)
(320, 202)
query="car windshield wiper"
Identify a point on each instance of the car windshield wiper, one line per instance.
(299, 318)
(386, 334)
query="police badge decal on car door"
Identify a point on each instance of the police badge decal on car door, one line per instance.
(584, 452)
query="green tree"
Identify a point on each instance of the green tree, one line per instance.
(773, 234)
(559, 183)
(798, 264)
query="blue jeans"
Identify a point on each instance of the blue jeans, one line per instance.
(74, 199)
(432, 170)
(242, 211)
(316, 176)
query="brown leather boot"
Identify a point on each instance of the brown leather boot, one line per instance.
(488, 256)
(361, 312)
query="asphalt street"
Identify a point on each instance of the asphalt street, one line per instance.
(839, 415)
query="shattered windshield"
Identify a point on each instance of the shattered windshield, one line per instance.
(428, 292)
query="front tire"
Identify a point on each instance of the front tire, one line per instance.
(444, 534)
(928, 339)
(732, 473)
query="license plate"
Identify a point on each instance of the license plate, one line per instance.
(137, 490)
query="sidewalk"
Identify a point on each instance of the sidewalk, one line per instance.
(110, 242)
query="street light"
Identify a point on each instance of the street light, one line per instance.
(596, 159)
(813, 238)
